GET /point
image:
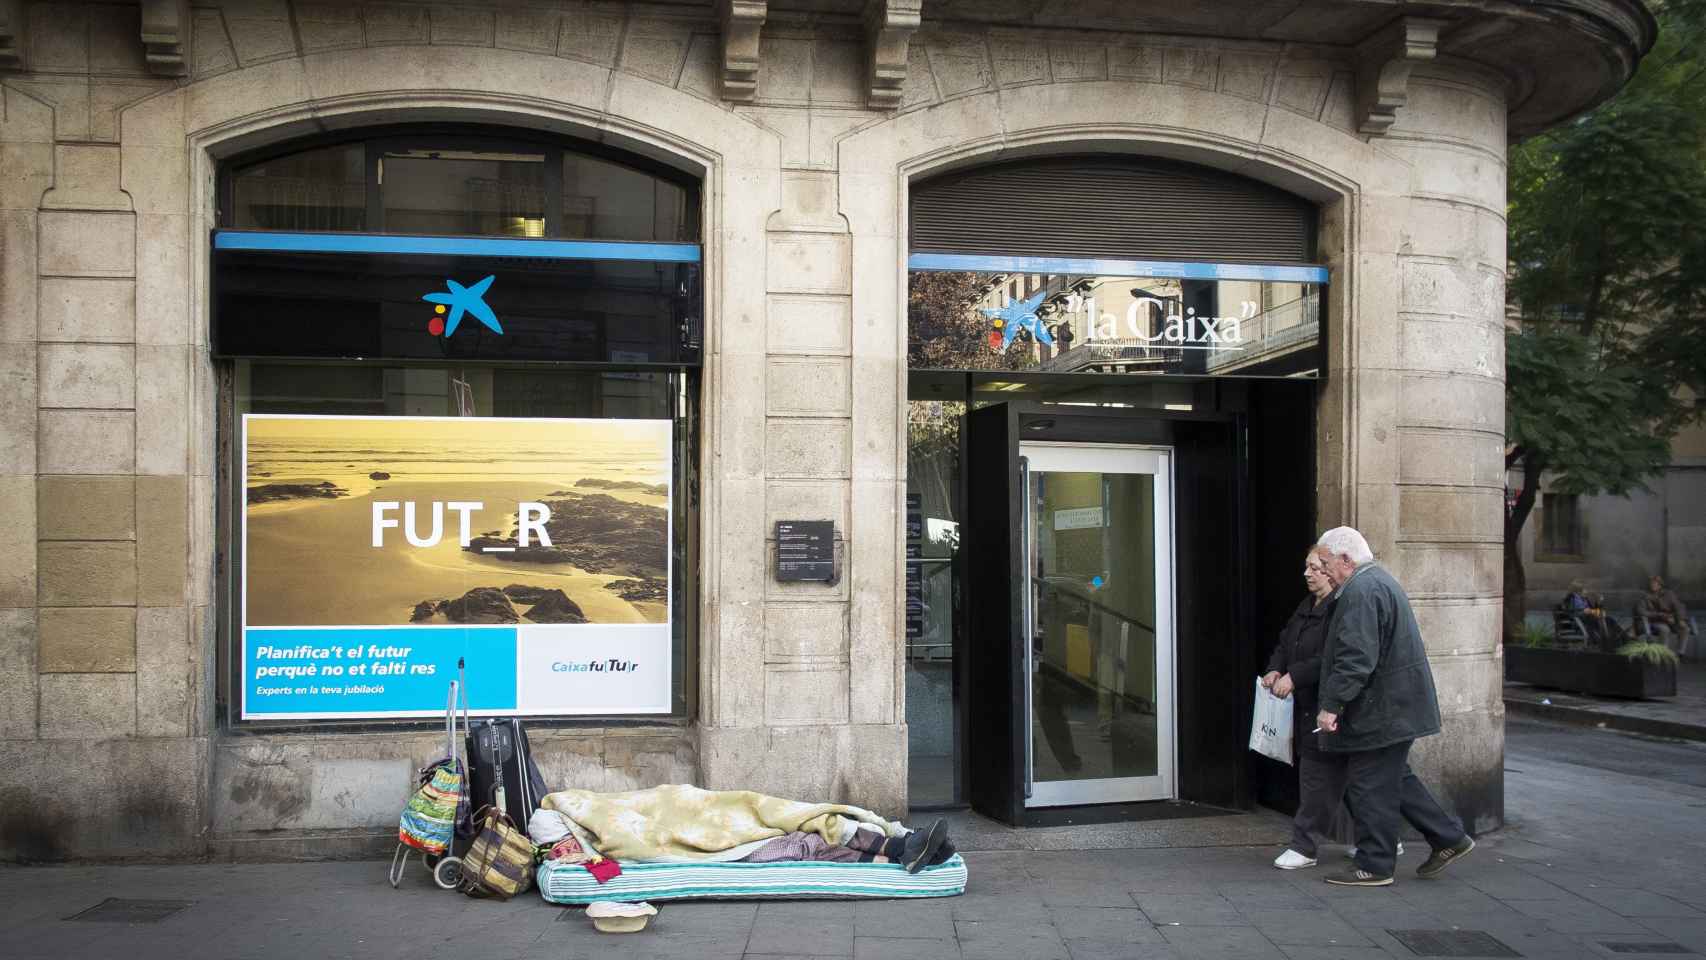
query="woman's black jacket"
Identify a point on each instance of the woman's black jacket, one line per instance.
(1301, 642)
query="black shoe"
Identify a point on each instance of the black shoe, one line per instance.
(921, 845)
(1440, 859)
(1358, 877)
(944, 854)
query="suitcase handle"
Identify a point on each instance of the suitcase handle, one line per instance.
(459, 685)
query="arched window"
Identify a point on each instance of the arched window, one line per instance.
(461, 182)
(487, 322)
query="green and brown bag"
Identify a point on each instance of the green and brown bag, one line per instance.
(500, 863)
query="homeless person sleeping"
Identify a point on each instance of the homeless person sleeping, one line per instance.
(679, 823)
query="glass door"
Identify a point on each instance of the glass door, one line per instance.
(1098, 678)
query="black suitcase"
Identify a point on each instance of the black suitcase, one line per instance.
(501, 771)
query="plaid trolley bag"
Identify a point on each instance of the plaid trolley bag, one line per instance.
(430, 820)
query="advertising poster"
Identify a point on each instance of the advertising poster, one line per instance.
(377, 551)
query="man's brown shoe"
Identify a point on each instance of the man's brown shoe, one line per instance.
(1440, 859)
(1358, 877)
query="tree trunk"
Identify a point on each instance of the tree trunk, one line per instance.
(1516, 579)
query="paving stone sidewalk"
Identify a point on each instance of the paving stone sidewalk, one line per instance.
(1593, 865)
(1051, 905)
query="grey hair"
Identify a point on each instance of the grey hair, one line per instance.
(1347, 542)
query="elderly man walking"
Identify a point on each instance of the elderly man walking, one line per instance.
(1377, 698)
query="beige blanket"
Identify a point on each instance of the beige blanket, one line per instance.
(681, 822)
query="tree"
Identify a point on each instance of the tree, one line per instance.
(1608, 265)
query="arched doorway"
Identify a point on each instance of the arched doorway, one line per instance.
(1113, 368)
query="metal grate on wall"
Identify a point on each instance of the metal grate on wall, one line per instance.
(1111, 207)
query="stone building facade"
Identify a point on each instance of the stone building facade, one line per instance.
(1613, 544)
(806, 121)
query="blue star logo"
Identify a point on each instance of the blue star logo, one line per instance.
(469, 299)
(1020, 314)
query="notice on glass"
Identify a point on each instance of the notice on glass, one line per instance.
(380, 551)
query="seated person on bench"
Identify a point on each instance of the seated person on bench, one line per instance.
(1602, 630)
(679, 823)
(1659, 612)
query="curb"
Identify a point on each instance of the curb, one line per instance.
(1580, 717)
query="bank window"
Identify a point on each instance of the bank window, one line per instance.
(480, 192)
(323, 189)
(385, 520)
(463, 183)
(1560, 525)
(607, 201)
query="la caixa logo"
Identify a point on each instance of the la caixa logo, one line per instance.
(458, 300)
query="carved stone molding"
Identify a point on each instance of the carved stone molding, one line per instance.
(742, 22)
(166, 36)
(889, 25)
(1384, 62)
(11, 34)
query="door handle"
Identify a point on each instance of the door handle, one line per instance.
(1027, 624)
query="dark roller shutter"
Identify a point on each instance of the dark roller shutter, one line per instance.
(1119, 208)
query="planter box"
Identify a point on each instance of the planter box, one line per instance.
(1600, 674)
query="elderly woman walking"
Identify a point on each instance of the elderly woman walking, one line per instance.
(1295, 670)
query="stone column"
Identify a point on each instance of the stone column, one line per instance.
(802, 678)
(1428, 419)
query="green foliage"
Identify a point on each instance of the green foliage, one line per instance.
(1654, 653)
(1576, 410)
(1535, 635)
(1604, 215)
(1608, 263)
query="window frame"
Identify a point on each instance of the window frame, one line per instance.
(685, 415)
(1546, 547)
(376, 140)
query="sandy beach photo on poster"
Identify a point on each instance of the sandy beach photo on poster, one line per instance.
(395, 521)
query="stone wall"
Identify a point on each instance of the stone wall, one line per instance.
(108, 617)
(1433, 428)
(103, 614)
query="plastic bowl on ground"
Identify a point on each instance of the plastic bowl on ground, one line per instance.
(611, 916)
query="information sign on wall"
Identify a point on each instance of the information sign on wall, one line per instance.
(805, 550)
(377, 551)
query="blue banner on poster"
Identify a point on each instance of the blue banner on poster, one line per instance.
(404, 671)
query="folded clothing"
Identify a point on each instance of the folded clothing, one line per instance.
(546, 827)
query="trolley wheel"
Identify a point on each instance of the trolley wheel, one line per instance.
(448, 873)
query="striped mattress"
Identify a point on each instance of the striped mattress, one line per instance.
(570, 883)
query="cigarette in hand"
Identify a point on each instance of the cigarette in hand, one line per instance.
(1316, 730)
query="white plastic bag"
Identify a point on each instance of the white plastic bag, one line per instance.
(1270, 726)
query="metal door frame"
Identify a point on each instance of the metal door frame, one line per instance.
(1164, 785)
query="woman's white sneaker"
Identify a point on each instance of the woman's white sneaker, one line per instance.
(1292, 860)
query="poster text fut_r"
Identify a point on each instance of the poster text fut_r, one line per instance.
(530, 522)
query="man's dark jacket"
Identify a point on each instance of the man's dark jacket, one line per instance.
(1374, 673)
(1298, 653)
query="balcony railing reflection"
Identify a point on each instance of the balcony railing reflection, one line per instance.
(1277, 331)
(1125, 354)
